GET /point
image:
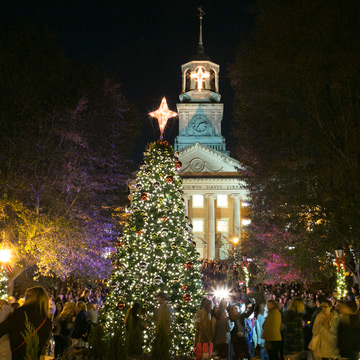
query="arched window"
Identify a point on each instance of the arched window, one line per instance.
(212, 80)
(187, 80)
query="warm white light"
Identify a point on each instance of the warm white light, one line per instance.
(222, 225)
(236, 240)
(246, 222)
(199, 76)
(222, 293)
(163, 114)
(198, 201)
(222, 201)
(198, 225)
(5, 255)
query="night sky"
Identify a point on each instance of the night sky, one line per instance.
(144, 44)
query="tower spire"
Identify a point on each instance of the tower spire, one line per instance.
(201, 45)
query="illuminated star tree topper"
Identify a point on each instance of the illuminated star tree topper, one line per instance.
(162, 114)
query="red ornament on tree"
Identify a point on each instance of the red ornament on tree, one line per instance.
(184, 287)
(188, 265)
(178, 164)
(164, 218)
(121, 305)
(144, 196)
(169, 179)
(140, 232)
(187, 298)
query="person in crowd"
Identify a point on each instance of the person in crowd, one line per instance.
(294, 335)
(354, 292)
(92, 313)
(163, 314)
(310, 307)
(163, 322)
(204, 331)
(318, 302)
(349, 330)
(259, 322)
(85, 296)
(35, 310)
(257, 295)
(324, 340)
(272, 331)
(5, 350)
(81, 326)
(15, 305)
(241, 333)
(56, 329)
(133, 330)
(222, 335)
(66, 320)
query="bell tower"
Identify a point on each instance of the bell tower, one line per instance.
(200, 111)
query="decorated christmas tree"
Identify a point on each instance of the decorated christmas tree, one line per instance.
(3, 283)
(156, 253)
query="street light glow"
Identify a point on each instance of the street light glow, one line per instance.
(5, 255)
(222, 293)
(236, 240)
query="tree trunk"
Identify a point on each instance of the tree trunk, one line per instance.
(356, 277)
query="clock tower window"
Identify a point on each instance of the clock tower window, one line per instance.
(212, 80)
(187, 80)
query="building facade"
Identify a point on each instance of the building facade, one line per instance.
(216, 199)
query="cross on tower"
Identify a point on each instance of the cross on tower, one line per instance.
(199, 76)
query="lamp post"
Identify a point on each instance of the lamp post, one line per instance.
(339, 253)
(236, 250)
(340, 275)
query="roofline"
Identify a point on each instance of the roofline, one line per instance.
(210, 150)
(227, 174)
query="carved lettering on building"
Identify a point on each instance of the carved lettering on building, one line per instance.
(212, 187)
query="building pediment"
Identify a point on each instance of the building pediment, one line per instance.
(198, 158)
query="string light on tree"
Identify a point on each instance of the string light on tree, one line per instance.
(341, 283)
(5, 256)
(245, 263)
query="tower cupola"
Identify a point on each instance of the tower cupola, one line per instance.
(200, 111)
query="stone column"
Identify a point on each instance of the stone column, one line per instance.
(186, 198)
(211, 221)
(237, 215)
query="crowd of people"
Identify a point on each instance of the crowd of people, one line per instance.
(280, 322)
(270, 322)
(68, 323)
(219, 273)
(70, 291)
